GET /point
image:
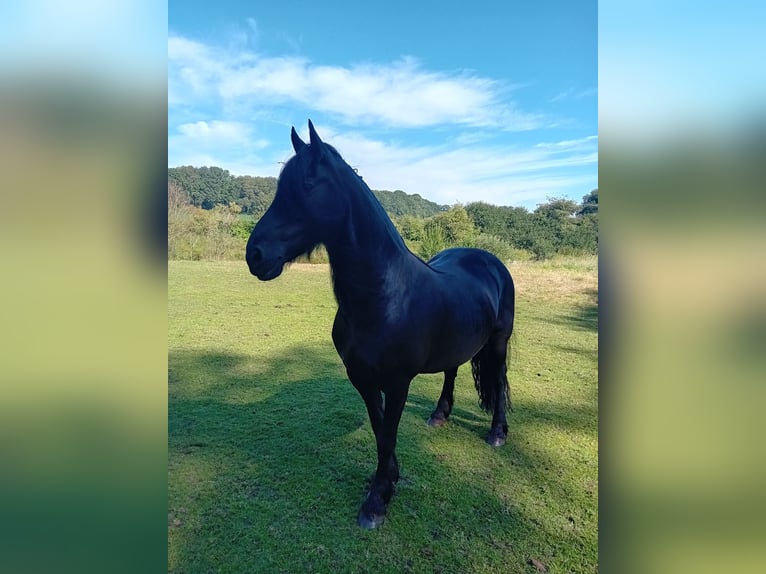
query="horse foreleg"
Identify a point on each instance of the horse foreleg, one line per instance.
(446, 400)
(373, 400)
(373, 511)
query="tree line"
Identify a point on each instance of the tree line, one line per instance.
(559, 226)
(207, 187)
(211, 214)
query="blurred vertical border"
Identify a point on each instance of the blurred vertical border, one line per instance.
(83, 387)
(682, 169)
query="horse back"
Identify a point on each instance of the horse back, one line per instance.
(473, 273)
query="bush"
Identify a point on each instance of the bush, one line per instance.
(413, 246)
(503, 250)
(433, 242)
(456, 226)
(243, 228)
(219, 233)
(542, 248)
(410, 228)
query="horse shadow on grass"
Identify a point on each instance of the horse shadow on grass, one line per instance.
(269, 461)
(585, 316)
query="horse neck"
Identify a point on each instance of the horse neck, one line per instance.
(366, 250)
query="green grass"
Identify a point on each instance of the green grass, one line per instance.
(270, 449)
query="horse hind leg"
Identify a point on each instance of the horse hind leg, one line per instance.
(490, 374)
(446, 400)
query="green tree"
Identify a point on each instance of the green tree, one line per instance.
(558, 209)
(206, 186)
(188, 178)
(511, 224)
(398, 203)
(256, 194)
(456, 225)
(589, 204)
(433, 242)
(556, 227)
(487, 218)
(410, 227)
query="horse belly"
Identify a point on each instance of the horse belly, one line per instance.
(451, 354)
(458, 336)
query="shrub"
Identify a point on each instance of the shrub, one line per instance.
(410, 228)
(219, 233)
(503, 250)
(413, 246)
(456, 226)
(542, 248)
(433, 242)
(243, 228)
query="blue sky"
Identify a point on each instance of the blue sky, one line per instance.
(491, 101)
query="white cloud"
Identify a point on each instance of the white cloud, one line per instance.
(216, 132)
(479, 159)
(183, 49)
(397, 94)
(502, 175)
(573, 94)
(446, 174)
(587, 141)
(215, 143)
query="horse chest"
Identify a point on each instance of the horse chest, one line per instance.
(366, 348)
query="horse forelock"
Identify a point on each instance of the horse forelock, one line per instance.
(291, 175)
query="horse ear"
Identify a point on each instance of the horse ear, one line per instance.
(316, 148)
(313, 136)
(298, 143)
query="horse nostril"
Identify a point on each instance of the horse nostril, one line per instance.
(254, 256)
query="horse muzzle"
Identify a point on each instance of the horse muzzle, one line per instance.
(263, 267)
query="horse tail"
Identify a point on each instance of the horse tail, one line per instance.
(486, 393)
(489, 377)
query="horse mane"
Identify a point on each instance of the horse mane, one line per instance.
(368, 215)
(340, 166)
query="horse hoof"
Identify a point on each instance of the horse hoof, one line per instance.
(370, 522)
(436, 421)
(497, 440)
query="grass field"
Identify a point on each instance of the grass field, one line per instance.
(270, 449)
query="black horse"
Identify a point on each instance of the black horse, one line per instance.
(397, 316)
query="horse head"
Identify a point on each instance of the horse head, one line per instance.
(306, 210)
